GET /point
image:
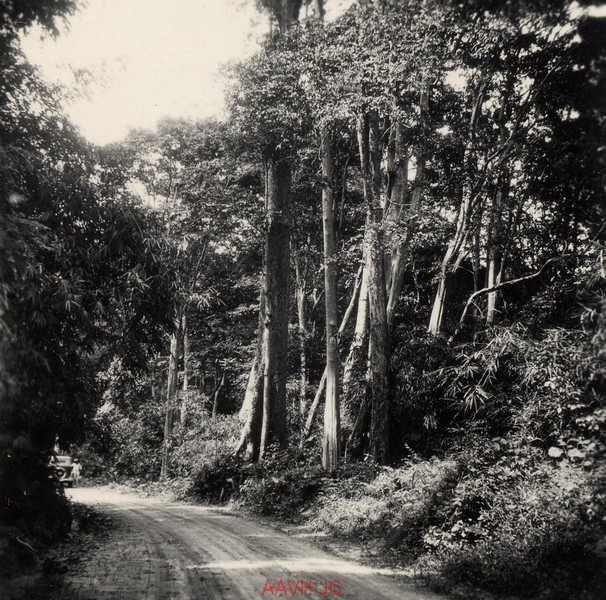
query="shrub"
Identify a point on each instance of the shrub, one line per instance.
(281, 485)
(217, 478)
(537, 535)
(40, 519)
(201, 458)
(204, 442)
(398, 503)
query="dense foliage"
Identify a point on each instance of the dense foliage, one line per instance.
(466, 144)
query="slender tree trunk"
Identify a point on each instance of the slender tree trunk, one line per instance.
(252, 407)
(304, 336)
(397, 176)
(332, 429)
(494, 259)
(401, 245)
(476, 258)
(355, 370)
(450, 263)
(322, 385)
(186, 367)
(370, 160)
(401, 255)
(186, 353)
(171, 392)
(220, 382)
(496, 242)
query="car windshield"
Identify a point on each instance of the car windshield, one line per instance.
(63, 460)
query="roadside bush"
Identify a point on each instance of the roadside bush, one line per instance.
(537, 537)
(397, 504)
(201, 457)
(204, 442)
(217, 478)
(28, 527)
(282, 485)
(135, 440)
(421, 414)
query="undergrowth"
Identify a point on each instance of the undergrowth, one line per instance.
(496, 514)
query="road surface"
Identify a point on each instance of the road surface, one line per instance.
(176, 551)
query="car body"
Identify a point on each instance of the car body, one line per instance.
(63, 469)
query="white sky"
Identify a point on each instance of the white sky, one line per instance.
(149, 59)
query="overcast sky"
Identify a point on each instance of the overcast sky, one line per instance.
(149, 58)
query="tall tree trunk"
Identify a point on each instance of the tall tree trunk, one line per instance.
(322, 385)
(265, 401)
(495, 236)
(355, 370)
(494, 257)
(370, 161)
(401, 245)
(264, 407)
(171, 392)
(252, 407)
(397, 178)
(332, 429)
(186, 353)
(276, 293)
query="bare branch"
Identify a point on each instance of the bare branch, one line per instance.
(500, 286)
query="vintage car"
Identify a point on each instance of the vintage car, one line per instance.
(63, 469)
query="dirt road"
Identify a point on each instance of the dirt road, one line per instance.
(169, 551)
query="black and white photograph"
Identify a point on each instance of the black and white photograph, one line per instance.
(302, 299)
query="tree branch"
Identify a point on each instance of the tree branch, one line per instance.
(500, 286)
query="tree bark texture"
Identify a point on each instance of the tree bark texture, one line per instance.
(370, 160)
(332, 429)
(276, 295)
